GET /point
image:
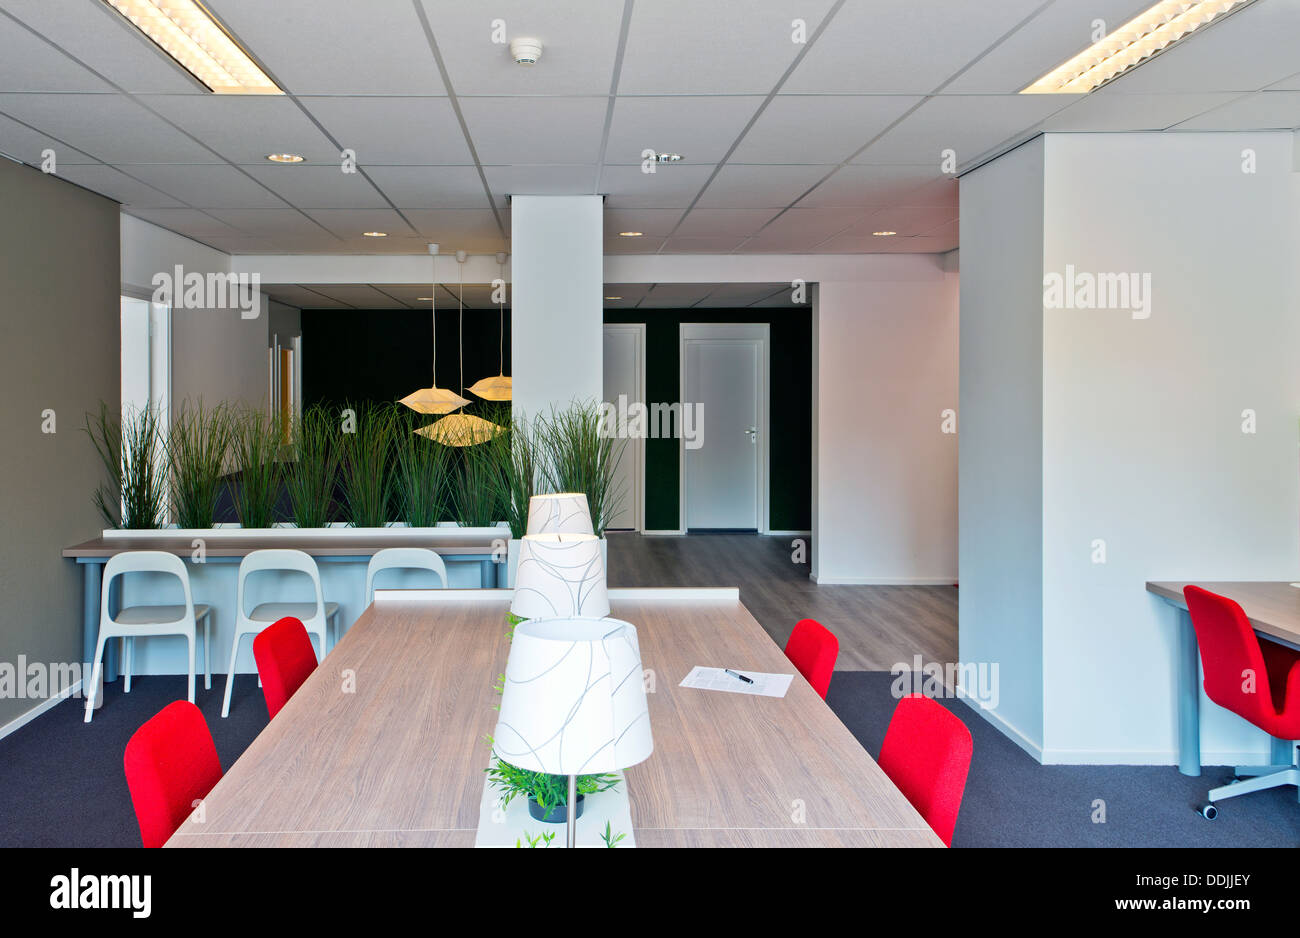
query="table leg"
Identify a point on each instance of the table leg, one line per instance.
(91, 577)
(1189, 697)
(487, 574)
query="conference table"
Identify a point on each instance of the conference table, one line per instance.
(385, 743)
(1273, 609)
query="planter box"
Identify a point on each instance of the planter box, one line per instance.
(444, 531)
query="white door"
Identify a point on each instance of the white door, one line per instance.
(724, 381)
(625, 385)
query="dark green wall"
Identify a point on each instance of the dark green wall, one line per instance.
(790, 374)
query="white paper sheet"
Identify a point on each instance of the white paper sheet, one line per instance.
(765, 685)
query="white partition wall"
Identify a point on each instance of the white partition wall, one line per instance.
(1168, 428)
(556, 312)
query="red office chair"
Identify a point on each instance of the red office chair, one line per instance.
(285, 659)
(1258, 681)
(812, 649)
(927, 753)
(170, 763)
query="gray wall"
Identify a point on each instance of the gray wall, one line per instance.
(1000, 474)
(59, 267)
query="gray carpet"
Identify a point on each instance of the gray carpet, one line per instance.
(1012, 801)
(61, 782)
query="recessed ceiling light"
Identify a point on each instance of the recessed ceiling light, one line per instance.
(629, 234)
(1147, 34)
(187, 32)
(284, 157)
(423, 299)
(613, 298)
(884, 234)
(375, 234)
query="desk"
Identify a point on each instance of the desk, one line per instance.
(340, 548)
(1274, 611)
(399, 762)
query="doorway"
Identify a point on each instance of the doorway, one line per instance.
(624, 384)
(724, 384)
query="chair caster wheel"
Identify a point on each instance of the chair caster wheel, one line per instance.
(1208, 811)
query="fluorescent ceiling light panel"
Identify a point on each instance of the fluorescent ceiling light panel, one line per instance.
(1147, 34)
(187, 32)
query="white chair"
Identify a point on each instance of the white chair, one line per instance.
(316, 615)
(142, 621)
(403, 558)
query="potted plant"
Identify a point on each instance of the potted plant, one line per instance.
(475, 487)
(579, 458)
(516, 458)
(547, 794)
(421, 483)
(132, 451)
(312, 474)
(366, 469)
(198, 447)
(255, 444)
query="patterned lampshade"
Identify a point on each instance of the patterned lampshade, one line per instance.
(559, 513)
(560, 575)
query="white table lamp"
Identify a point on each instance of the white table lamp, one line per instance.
(560, 575)
(574, 701)
(559, 513)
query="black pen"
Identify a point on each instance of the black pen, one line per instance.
(735, 674)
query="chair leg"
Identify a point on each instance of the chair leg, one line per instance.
(1274, 779)
(128, 657)
(190, 639)
(207, 651)
(95, 674)
(230, 675)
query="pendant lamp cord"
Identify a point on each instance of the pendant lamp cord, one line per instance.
(501, 322)
(461, 328)
(433, 311)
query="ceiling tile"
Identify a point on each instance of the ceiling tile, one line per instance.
(617, 245)
(31, 64)
(430, 186)
(724, 222)
(376, 47)
(750, 186)
(272, 222)
(701, 245)
(819, 128)
(701, 128)
(349, 223)
(108, 127)
(21, 142)
(356, 295)
(903, 46)
(104, 41)
(675, 295)
(210, 185)
(670, 186)
(411, 131)
(245, 128)
(545, 179)
(688, 47)
(813, 224)
(652, 222)
(1122, 112)
(306, 186)
(857, 186)
(1263, 110)
(459, 229)
(535, 130)
(116, 185)
(579, 40)
(971, 125)
(907, 220)
(187, 221)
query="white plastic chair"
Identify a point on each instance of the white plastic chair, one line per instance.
(403, 558)
(142, 621)
(315, 615)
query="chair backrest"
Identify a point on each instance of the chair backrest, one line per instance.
(1230, 655)
(813, 650)
(144, 561)
(278, 559)
(403, 558)
(285, 659)
(927, 753)
(170, 763)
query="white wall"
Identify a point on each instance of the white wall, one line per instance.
(1000, 602)
(557, 306)
(1142, 439)
(885, 473)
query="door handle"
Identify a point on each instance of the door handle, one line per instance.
(753, 434)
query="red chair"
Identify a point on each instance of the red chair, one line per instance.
(927, 753)
(1258, 681)
(812, 649)
(285, 659)
(170, 762)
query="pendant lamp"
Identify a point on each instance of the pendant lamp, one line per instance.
(500, 387)
(434, 400)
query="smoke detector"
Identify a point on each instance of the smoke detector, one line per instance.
(526, 51)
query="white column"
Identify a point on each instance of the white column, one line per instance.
(556, 262)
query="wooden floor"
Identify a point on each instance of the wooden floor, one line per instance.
(878, 626)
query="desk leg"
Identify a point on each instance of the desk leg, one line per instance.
(1189, 698)
(92, 577)
(487, 575)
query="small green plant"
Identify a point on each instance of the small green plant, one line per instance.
(366, 466)
(543, 839)
(422, 464)
(311, 476)
(255, 444)
(580, 458)
(198, 447)
(611, 839)
(131, 449)
(549, 791)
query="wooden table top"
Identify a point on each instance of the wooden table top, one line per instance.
(317, 545)
(400, 760)
(1273, 607)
